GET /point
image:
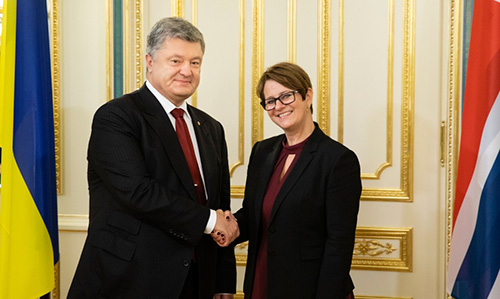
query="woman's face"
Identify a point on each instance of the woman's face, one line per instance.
(289, 117)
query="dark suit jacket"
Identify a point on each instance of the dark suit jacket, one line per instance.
(313, 220)
(145, 222)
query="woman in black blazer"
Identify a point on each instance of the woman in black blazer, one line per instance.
(301, 199)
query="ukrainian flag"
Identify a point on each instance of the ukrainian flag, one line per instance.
(29, 247)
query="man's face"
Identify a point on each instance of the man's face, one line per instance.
(174, 70)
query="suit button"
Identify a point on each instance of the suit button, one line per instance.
(271, 253)
(185, 263)
(272, 230)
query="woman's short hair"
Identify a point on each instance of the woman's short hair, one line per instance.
(287, 74)
(172, 27)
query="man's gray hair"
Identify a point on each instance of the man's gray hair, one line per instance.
(172, 27)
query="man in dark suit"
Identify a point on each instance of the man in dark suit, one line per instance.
(155, 194)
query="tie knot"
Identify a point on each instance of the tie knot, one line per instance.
(177, 113)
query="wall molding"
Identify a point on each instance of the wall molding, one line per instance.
(56, 88)
(73, 222)
(383, 248)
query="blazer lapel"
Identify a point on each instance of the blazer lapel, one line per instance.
(207, 148)
(267, 171)
(155, 115)
(298, 169)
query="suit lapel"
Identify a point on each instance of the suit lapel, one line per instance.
(207, 148)
(267, 171)
(157, 118)
(298, 169)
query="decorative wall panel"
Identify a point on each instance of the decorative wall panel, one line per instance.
(383, 249)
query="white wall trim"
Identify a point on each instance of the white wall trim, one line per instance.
(73, 222)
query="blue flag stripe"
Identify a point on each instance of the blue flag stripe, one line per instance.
(482, 261)
(33, 142)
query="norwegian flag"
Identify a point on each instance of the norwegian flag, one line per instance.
(475, 243)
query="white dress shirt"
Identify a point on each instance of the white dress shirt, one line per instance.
(168, 107)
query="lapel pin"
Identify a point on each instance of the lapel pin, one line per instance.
(199, 123)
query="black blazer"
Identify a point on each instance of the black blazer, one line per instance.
(313, 220)
(145, 222)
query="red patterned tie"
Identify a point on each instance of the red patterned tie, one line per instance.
(188, 149)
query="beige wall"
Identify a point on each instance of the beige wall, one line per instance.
(381, 89)
(83, 86)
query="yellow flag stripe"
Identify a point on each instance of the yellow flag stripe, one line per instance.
(26, 257)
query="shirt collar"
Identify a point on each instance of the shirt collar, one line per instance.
(165, 103)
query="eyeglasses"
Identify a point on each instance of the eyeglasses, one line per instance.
(286, 99)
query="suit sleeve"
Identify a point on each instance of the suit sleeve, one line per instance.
(226, 263)
(342, 204)
(116, 158)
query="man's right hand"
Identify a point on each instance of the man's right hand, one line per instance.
(226, 228)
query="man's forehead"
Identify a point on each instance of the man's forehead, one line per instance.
(178, 41)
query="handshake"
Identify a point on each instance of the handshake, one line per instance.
(226, 228)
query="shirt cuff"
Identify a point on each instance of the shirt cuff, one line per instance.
(211, 222)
